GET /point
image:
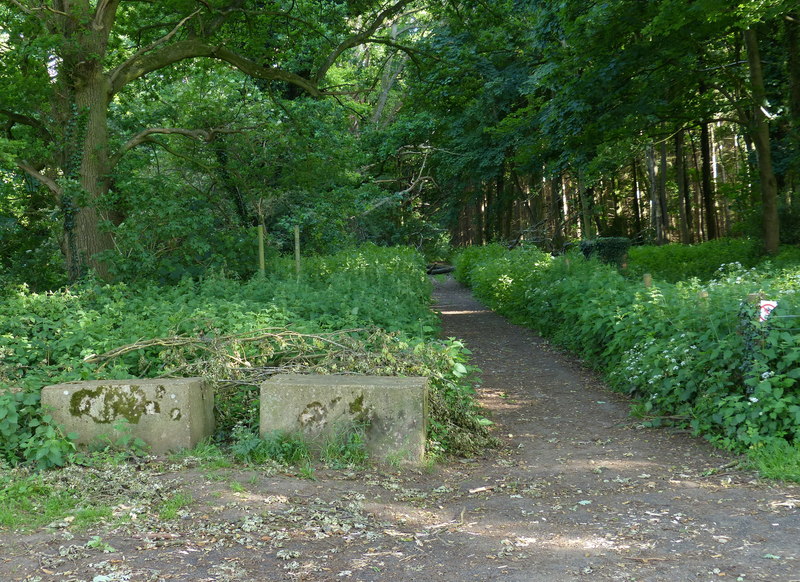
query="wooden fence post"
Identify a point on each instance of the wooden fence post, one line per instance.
(297, 249)
(262, 268)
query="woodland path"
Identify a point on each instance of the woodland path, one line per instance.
(578, 491)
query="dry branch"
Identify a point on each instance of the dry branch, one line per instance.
(282, 336)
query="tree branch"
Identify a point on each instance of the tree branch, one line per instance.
(415, 183)
(104, 14)
(410, 52)
(145, 136)
(359, 38)
(29, 121)
(233, 6)
(195, 48)
(22, 7)
(31, 171)
(150, 47)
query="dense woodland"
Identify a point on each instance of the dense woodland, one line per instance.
(150, 139)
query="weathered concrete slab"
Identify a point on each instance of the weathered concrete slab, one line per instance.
(392, 409)
(167, 414)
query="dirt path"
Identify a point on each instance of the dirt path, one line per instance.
(578, 491)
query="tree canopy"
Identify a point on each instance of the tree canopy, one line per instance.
(150, 139)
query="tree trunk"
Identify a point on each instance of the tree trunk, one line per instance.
(793, 70)
(696, 195)
(655, 205)
(760, 133)
(564, 192)
(662, 192)
(637, 211)
(684, 200)
(793, 65)
(87, 92)
(246, 218)
(707, 184)
(585, 196)
(489, 211)
(555, 215)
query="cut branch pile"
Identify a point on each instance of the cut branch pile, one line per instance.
(240, 358)
(237, 364)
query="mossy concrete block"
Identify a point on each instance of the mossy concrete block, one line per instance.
(167, 414)
(392, 410)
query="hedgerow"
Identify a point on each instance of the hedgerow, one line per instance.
(693, 353)
(364, 311)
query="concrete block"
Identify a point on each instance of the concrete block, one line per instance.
(168, 414)
(394, 411)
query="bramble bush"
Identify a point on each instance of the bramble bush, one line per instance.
(689, 352)
(366, 310)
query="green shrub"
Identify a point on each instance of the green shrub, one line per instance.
(787, 258)
(689, 352)
(466, 259)
(612, 250)
(248, 447)
(28, 435)
(676, 262)
(503, 279)
(364, 310)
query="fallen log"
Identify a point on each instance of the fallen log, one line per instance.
(440, 269)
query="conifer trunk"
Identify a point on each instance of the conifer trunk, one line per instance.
(707, 185)
(684, 200)
(760, 133)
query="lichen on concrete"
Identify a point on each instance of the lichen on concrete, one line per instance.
(106, 404)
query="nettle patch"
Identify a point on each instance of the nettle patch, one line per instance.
(364, 311)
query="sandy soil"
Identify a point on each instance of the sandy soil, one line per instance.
(577, 491)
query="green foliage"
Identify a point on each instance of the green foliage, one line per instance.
(676, 262)
(365, 310)
(611, 250)
(29, 252)
(27, 501)
(299, 169)
(777, 460)
(27, 435)
(47, 337)
(503, 278)
(691, 352)
(172, 505)
(466, 259)
(248, 447)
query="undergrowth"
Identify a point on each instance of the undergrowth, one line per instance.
(691, 353)
(675, 262)
(364, 311)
